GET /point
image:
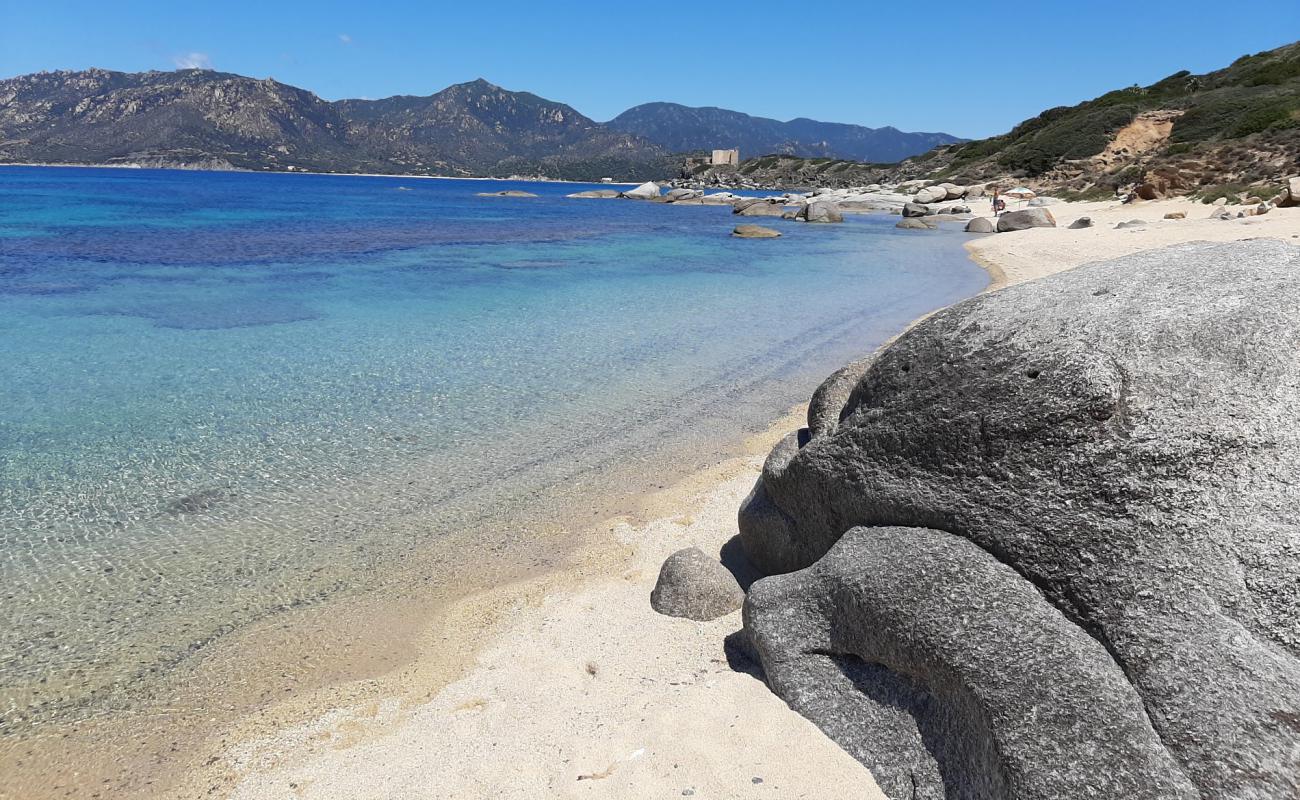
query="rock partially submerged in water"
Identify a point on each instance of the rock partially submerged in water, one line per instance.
(1070, 514)
(754, 232)
(916, 224)
(694, 586)
(507, 193)
(757, 207)
(646, 191)
(820, 212)
(596, 194)
(683, 195)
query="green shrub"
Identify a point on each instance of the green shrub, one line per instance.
(1077, 136)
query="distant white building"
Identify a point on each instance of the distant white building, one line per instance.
(727, 157)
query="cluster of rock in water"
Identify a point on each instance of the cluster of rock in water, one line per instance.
(1047, 543)
(922, 205)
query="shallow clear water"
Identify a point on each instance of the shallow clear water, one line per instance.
(224, 394)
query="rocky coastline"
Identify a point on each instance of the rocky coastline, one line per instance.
(1079, 608)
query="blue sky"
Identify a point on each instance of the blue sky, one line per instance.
(972, 69)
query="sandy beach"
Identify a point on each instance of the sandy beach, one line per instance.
(581, 690)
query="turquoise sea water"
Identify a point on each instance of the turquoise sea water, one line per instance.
(225, 394)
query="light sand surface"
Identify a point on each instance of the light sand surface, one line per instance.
(587, 693)
(583, 691)
(1025, 255)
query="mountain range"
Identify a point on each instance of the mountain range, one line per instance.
(214, 119)
(682, 129)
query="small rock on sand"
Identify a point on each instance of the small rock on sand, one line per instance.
(1081, 222)
(1176, 215)
(694, 586)
(1133, 223)
(754, 232)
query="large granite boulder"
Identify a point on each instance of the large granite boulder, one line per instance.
(915, 210)
(821, 211)
(1074, 568)
(694, 586)
(682, 195)
(944, 671)
(756, 207)
(980, 225)
(931, 194)
(595, 194)
(646, 191)
(1026, 218)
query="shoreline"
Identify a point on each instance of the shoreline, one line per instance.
(329, 758)
(308, 172)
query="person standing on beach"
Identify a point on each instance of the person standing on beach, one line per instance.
(995, 202)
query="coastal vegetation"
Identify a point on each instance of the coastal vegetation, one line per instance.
(1186, 133)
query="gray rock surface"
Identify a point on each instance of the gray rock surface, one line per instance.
(1081, 222)
(1290, 196)
(925, 657)
(754, 232)
(694, 586)
(974, 191)
(1026, 218)
(756, 207)
(980, 225)
(1112, 450)
(914, 210)
(1133, 223)
(931, 194)
(506, 193)
(595, 194)
(646, 191)
(917, 224)
(679, 195)
(821, 212)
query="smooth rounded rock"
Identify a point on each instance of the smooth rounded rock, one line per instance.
(695, 586)
(754, 232)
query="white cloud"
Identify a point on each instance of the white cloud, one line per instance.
(193, 61)
(345, 39)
